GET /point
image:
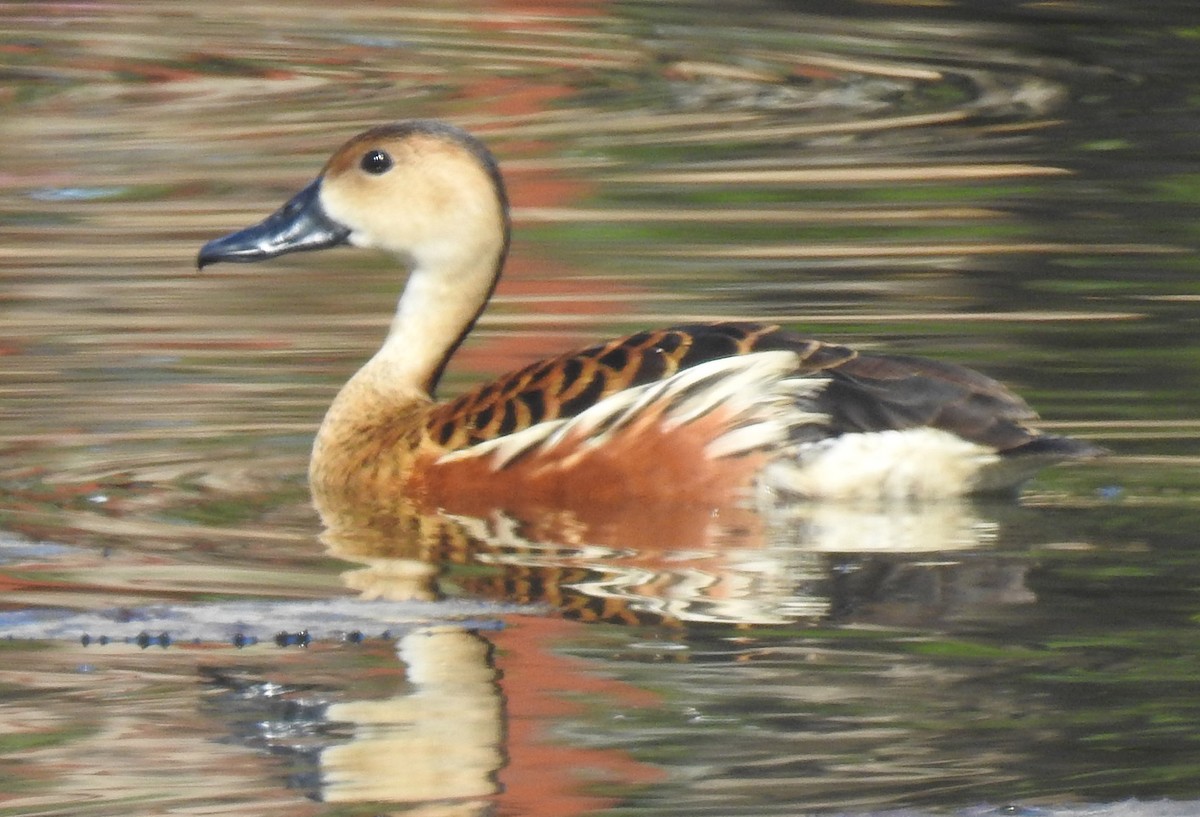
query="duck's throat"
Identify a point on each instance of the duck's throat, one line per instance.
(433, 316)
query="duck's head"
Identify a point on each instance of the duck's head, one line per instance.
(426, 192)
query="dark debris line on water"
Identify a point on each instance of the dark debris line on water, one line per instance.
(243, 624)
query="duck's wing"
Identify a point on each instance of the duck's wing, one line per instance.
(860, 392)
(881, 392)
(565, 386)
(893, 392)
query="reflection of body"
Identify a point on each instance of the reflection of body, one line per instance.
(697, 414)
(792, 564)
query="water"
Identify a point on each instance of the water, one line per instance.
(1011, 186)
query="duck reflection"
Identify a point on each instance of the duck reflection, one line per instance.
(673, 565)
(460, 735)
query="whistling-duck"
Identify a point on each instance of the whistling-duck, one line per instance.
(686, 413)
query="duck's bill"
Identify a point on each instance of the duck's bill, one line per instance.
(299, 225)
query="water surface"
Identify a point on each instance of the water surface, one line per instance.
(1011, 187)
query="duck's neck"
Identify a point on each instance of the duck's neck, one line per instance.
(392, 390)
(445, 293)
(436, 311)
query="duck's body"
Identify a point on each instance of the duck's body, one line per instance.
(693, 413)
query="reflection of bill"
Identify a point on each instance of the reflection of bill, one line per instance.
(439, 742)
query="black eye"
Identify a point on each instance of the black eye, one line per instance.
(376, 162)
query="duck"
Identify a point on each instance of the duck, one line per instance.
(695, 413)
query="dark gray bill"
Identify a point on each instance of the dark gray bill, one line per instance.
(299, 225)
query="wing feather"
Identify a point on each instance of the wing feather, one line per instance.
(864, 393)
(567, 385)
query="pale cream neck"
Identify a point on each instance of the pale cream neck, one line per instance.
(443, 296)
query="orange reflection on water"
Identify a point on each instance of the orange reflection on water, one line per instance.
(545, 775)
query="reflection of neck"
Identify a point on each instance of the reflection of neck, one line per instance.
(445, 736)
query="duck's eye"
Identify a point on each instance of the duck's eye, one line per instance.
(376, 162)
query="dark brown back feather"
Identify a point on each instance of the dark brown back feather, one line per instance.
(566, 385)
